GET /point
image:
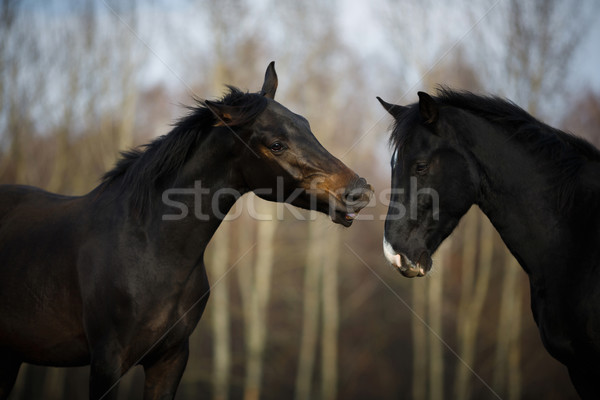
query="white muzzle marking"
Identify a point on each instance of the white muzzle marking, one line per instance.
(391, 255)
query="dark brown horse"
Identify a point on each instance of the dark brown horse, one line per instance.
(116, 278)
(539, 187)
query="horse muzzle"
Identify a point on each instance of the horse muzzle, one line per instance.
(358, 195)
(340, 196)
(406, 266)
(355, 198)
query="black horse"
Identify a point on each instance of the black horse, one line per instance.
(116, 278)
(539, 187)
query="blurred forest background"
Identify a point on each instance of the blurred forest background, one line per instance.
(305, 309)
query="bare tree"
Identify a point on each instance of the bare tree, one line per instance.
(435, 322)
(220, 316)
(259, 300)
(330, 318)
(583, 117)
(419, 341)
(472, 303)
(532, 45)
(14, 96)
(507, 369)
(321, 309)
(310, 318)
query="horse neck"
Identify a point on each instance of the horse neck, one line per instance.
(195, 202)
(514, 196)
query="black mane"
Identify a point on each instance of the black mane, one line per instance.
(139, 169)
(563, 154)
(526, 128)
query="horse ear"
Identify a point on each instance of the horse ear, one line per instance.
(395, 110)
(269, 86)
(428, 108)
(223, 112)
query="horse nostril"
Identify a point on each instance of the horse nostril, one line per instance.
(359, 192)
(354, 195)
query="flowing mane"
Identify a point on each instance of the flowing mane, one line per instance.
(561, 153)
(139, 169)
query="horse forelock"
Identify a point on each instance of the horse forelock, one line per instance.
(403, 128)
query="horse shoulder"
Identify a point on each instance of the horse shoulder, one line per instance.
(181, 315)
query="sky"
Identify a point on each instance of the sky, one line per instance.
(444, 31)
(362, 26)
(439, 33)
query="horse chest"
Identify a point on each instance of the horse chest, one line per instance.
(555, 338)
(569, 329)
(170, 316)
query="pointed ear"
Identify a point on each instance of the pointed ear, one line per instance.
(269, 86)
(428, 108)
(395, 110)
(223, 113)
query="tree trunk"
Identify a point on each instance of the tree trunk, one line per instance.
(435, 300)
(419, 336)
(330, 316)
(472, 313)
(514, 332)
(220, 313)
(61, 160)
(310, 320)
(257, 331)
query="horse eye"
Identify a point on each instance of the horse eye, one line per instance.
(276, 147)
(421, 168)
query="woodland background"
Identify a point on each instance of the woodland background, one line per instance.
(304, 309)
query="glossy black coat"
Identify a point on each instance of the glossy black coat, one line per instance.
(539, 187)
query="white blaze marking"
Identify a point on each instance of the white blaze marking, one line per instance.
(391, 255)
